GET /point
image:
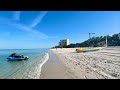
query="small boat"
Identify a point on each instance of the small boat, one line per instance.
(16, 57)
(86, 50)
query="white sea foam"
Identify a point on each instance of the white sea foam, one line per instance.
(35, 74)
(44, 60)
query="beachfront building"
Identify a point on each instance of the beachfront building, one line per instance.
(64, 42)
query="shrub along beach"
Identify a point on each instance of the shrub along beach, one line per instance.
(90, 62)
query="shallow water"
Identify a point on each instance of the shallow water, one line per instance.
(21, 69)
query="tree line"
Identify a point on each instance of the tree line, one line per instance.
(113, 40)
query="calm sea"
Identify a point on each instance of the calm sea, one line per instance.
(28, 69)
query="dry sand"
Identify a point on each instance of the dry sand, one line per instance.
(102, 64)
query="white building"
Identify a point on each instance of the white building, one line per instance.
(64, 42)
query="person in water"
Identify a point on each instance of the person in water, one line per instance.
(22, 56)
(15, 55)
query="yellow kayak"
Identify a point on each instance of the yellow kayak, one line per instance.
(80, 50)
(86, 50)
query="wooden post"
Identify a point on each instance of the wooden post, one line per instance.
(106, 41)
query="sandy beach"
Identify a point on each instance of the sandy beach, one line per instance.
(55, 69)
(102, 64)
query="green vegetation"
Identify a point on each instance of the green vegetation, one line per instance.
(98, 41)
(113, 40)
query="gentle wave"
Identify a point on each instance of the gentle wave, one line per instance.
(21, 69)
(37, 69)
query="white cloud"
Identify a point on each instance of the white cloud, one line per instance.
(16, 15)
(38, 19)
(32, 33)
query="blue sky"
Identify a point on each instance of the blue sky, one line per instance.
(44, 29)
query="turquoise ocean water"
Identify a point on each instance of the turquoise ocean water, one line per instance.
(28, 69)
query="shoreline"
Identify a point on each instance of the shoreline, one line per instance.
(54, 69)
(79, 70)
(101, 64)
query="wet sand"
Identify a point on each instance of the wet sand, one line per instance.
(66, 63)
(54, 69)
